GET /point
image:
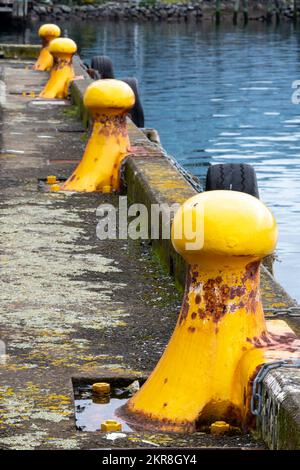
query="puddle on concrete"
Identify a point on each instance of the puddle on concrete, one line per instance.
(91, 410)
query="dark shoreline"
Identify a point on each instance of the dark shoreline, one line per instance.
(160, 12)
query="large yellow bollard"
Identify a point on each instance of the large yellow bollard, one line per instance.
(47, 33)
(109, 101)
(221, 337)
(62, 71)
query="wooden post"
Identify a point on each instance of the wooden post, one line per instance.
(236, 11)
(245, 11)
(218, 11)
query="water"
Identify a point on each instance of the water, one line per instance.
(91, 410)
(90, 415)
(216, 95)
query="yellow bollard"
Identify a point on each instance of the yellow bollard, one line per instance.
(47, 33)
(62, 71)
(109, 101)
(221, 337)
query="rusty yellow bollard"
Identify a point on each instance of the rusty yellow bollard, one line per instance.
(108, 101)
(62, 71)
(221, 337)
(47, 33)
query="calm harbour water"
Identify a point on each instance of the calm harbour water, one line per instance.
(216, 95)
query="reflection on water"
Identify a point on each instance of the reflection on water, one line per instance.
(90, 415)
(217, 95)
(91, 410)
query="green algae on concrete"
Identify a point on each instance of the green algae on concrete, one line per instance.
(19, 51)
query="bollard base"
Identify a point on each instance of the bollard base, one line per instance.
(279, 342)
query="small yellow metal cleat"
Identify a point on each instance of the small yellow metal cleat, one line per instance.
(54, 187)
(218, 428)
(51, 179)
(111, 425)
(101, 388)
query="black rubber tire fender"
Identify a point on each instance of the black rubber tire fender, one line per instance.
(103, 65)
(232, 176)
(137, 113)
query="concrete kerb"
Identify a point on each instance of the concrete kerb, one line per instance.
(19, 51)
(278, 424)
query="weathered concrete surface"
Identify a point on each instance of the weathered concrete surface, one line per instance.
(71, 306)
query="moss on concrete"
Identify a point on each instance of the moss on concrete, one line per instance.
(72, 111)
(288, 431)
(77, 90)
(19, 51)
